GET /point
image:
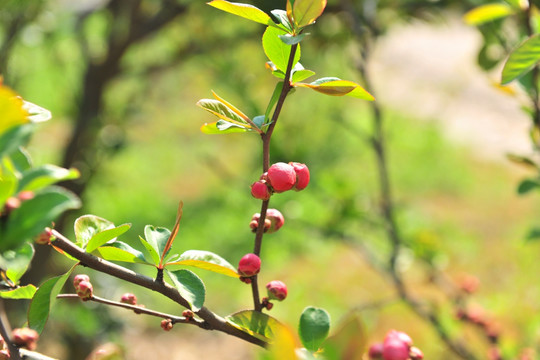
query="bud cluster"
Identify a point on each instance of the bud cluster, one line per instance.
(129, 298)
(273, 221)
(83, 287)
(279, 178)
(14, 202)
(166, 324)
(25, 337)
(397, 345)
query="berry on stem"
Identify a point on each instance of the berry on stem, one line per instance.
(302, 175)
(396, 345)
(260, 190)
(85, 290)
(375, 351)
(25, 337)
(281, 177)
(277, 290)
(249, 265)
(79, 278)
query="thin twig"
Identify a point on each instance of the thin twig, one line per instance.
(5, 331)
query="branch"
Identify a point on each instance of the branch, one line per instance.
(5, 331)
(212, 321)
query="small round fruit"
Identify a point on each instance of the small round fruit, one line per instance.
(281, 176)
(277, 290)
(259, 190)
(249, 265)
(302, 175)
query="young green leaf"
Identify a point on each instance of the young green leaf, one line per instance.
(246, 11)
(349, 341)
(282, 19)
(290, 39)
(305, 12)
(44, 299)
(314, 327)
(221, 110)
(105, 236)
(256, 323)
(120, 251)
(522, 59)
(37, 213)
(486, 13)
(222, 127)
(40, 177)
(155, 241)
(301, 75)
(276, 50)
(87, 226)
(172, 236)
(274, 99)
(205, 260)
(22, 292)
(16, 262)
(14, 137)
(190, 287)
(337, 87)
(528, 185)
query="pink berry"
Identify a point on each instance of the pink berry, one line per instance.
(85, 290)
(276, 220)
(129, 298)
(375, 351)
(281, 176)
(395, 349)
(416, 354)
(249, 265)
(277, 290)
(25, 337)
(259, 190)
(78, 279)
(401, 336)
(254, 224)
(302, 175)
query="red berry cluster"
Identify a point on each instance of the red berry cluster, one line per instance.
(83, 287)
(279, 178)
(397, 345)
(273, 221)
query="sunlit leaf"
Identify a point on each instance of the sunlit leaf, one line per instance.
(36, 214)
(155, 241)
(283, 347)
(276, 50)
(36, 113)
(45, 175)
(528, 185)
(522, 59)
(222, 111)
(190, 287)
(301, 75)
(105, 236)
(87, 226)
(274, 99)
(281, 17)
(16, 262)
(305, 12)
(291, 40)
(313, 327)
(349, 341)
(223, 128)
(205, 260)
(23, 292)
(486, 13)
(44, 299)
(337, 87)
(11, 109)
(256, 323)
(247, 11)
(120, 251)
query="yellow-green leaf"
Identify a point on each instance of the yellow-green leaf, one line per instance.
(349, 341)
(284, 346)
(12, 112)
(522, 59)
(205, 260)
(305, 12)
(246, 11)
(256, 324)
(338, 87)
(486, 13)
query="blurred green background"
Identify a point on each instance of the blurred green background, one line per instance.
(144, 153)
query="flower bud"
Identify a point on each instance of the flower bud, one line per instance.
(277, 290)
(375, 351)
(400, 336)
(416, 354)
(249, 265)
(302, 175)
(45, 237)
(129, 298)
(254, 224)
(25, 337)
(166, 324)
(281, 177)
(79, 278)
(85, 290)
(276, 220)
(396, 345)
(25, 195)
(11, 204)
(4, 355)
(188, 314)
(260, 190)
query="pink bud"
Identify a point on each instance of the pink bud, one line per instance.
(85, 290)
(77, 280)
(259, 190)
(302, 175)
(281, 176)
(254, 224)
(25, 195)
(188, 314)
(400, 336)
(166, 324)
(25, 337)
(416, 353)
(45, 237)
(395, 349)
(129, 298)
(249, 265)
(276, 220)
(12, 203)
(4, 355)
(375, 351)
(277, 290)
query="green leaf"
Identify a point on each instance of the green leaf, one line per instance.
(45, 175)
(8, 180)
(305, 12)
(190, 287)
(205, 260)
(274, 99)
(259, 121)
(337, 87)
(486, 13)
(213, 128)
(257, 324)
(290, 39)
(314, 327)
(155, 241)
(528, 185)
(349, 341)
(23, 292)
(533, 235)
(37, 213)
(87, 226)
(276, 50)
(13, 138)
(120, 251)
(44, 299)
(247, 11)
(281, 17)
(230, 116)
(301, 75)
(522, 59)
(105, 236)
(16, 262)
